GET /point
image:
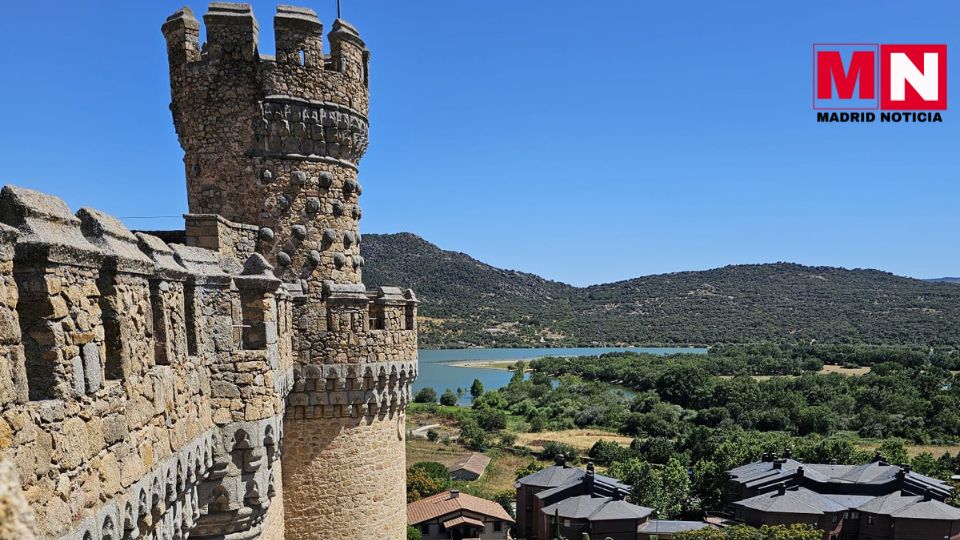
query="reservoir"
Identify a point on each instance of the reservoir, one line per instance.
(438, 372)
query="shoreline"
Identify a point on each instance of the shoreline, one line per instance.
(501, 365)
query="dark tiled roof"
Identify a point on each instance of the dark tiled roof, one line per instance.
(793, 501)
(666, 526)
(552, 476)
(901, 505)
(596, 509)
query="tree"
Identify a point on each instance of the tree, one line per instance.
(448, 398)
(426, 395)
(472, 435)
(476, 389)
(529, 468)
(426, 478)
(432, 435)
(799, 531)
(552, 449)
(491, 419)
(675, 483)
(506, 498)
(518, 368)
(413, 533)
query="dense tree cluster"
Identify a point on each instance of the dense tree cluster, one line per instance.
(466, 302)
(907, 393)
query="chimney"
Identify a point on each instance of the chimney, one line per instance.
(877, 457)
(927, 495)
(788, 453)
(454, 493)
(560, 460)
(778, 464)
(589, 477)
(781, 489)
(765, 457)
(902, 473)
(799, 472)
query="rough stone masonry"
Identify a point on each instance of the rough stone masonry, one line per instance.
(233, 380)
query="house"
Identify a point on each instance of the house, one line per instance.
(874, 501)
(452, 515)
(572, 501)
(469, 467)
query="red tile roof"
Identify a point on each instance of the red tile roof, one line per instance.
(445, 503)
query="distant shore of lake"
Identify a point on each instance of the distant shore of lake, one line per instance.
(485, 364)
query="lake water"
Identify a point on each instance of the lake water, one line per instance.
(437, 373)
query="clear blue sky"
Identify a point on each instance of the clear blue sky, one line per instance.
(586, 141)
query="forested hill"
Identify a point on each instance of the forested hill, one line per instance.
(468, 303)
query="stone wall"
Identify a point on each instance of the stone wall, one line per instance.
(115, 427)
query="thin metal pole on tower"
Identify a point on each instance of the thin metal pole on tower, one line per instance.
(339, 9)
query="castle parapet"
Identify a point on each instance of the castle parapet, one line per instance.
(109, 346)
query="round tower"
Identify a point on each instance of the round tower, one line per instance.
(274, 143)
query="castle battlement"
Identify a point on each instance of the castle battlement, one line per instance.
(234, 379)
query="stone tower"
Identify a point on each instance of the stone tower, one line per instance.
(271, 152)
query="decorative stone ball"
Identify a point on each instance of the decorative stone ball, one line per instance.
(326, 179)
(266, 176)
(313, 205)
(357, 261)
(283, 258)
(329, 236)
(266, 234)
(359, 188)
(283, 202)
(348, 238)
(339, 259)
(356, 212)
(337, 208)
(350, 186)
(298, 178)
(299, 232)
(314, 257)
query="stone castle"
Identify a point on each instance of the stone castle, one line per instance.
(232, 380)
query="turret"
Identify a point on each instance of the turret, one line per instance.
(272, 147)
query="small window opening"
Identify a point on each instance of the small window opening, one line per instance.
(161, 322)
(190, 317)
(303, 57)
(113, 366)
(252, 325)
(376, 318)
(408, 317)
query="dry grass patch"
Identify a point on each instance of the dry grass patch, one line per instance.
(828, 368)
(579, 438)
(913, 450)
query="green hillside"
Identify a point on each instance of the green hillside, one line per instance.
(468, 303)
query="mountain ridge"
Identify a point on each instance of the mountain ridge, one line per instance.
(466, 302)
